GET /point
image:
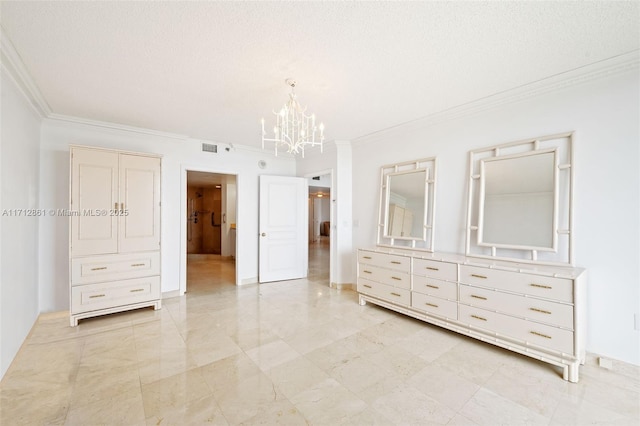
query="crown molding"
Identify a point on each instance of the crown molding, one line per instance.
(114, 126)
(15, 68)
(598, 70)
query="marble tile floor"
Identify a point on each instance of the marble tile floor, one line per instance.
(293, 353)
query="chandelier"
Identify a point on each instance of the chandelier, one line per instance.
(294, 130)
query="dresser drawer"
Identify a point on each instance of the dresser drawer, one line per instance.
(546, 336)
(93, 297)
(436, 269)
(560, 289)
(95, 269)
(546, 311)
(434, 305)
(384, 260)
(434, 287)
(385, 276)
(382, 291)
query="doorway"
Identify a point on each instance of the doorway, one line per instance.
(210, 231)
(320, 226)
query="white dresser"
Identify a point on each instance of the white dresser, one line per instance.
(538, 311)
(114, 232)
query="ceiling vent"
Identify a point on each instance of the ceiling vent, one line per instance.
(207, 147)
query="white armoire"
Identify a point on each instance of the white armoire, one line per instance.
(114, 231)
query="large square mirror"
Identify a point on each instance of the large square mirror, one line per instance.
(519, 205)
(407, 192)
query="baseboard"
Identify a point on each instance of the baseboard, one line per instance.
(342, 286)
(52, 315)
(170, 294)
(616, 366)
(252, 280)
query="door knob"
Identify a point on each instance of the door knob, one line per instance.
(264, 234)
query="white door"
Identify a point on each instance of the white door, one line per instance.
(283, 228)
(139, 228)
(94, 196)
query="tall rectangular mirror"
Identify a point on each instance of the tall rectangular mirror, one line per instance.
(406, 207)
(406, 211)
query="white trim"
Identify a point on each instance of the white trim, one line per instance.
(184, 168)
(343, 286)
(332, 218)
(11, 61)
(118, 151)
(115, 126)
(169, 294)
(620, 64)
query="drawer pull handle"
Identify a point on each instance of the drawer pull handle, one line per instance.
(96, 296)
(366, 285)
(395, 262)
(99, 269)
(136, 290)
(480, 318)
(366, 257)
(431, 268)
(540, 334)
(396, 294)
(396, 278)
(433, 286)
(367, 272)
(478, 297)
(479, 276)
(541, 286)
(431, 304)
(542, 311)
(133, 265)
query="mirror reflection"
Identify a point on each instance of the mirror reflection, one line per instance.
(517, 196)
(406, 208)
(406, 205)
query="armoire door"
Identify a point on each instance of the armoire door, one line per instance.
(94, 194)
(139, 228)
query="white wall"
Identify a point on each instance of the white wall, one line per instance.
(178, 155)
(19, 169)
(229, 208)
(337, 158)
(605, 115)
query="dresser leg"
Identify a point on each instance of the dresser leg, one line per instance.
(570, 372)
(361, 301)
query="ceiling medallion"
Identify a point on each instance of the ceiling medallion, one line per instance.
(294, 130)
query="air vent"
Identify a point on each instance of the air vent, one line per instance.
(206, 147)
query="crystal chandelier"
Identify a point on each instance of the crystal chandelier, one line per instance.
(294, 130)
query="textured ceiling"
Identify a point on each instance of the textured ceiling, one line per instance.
(211, 70)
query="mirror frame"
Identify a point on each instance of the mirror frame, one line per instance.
(426, 242)
(561, 250)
